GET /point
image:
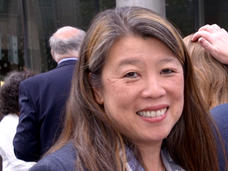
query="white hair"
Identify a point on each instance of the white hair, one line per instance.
(66, 45)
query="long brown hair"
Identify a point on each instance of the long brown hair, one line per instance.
(191, 142)
(211, 75)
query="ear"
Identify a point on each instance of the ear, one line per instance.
(96, 90)
(98, 95)
(52, 53)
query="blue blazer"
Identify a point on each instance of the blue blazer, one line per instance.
(220, 115)
(60, 160)
(42, 101)
(64, 159)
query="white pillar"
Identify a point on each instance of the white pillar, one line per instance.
(157, 6)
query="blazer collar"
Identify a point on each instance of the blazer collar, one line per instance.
(69, 62)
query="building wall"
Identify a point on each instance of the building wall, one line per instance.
(156, 5)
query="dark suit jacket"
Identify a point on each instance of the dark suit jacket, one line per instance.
(42, 101)
(220, 115)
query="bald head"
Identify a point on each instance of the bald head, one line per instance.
(65, 42)
(66, 32)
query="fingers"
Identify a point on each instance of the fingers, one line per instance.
(206, 44)
(202, 33)
(215, 27)
(210, 28)
(207, 31)
(224, 31)
(214, 40)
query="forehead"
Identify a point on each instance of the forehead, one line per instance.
(134, 46)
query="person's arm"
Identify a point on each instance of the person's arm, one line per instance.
(215, 40)
(26, 141)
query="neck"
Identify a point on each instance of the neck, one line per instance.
(151, 157)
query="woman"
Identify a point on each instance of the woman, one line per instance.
(134, 104)
(211, 75)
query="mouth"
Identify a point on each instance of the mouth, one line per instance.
(153, 113)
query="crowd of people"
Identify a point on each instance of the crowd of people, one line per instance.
(130, 94)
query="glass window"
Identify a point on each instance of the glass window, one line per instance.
(26, 25)
(182, 14)
(11, 37)
(189, 15)
(216, 12)
(43, 19)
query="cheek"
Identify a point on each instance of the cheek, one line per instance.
(181, 87)
(115, 90)
(177, 86)
(178, 94)
(117, 98)
(175, 91)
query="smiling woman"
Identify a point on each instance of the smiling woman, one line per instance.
(147, 86)
(134, 103)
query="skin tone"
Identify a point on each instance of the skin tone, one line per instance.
(143, 93)
(215, 40)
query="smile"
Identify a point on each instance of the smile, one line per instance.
(153, 113)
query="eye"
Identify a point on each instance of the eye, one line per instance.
(167, 71)
(131, 75)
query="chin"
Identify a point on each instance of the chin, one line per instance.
(159, 137)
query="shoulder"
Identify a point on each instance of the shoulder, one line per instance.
(219, 110)
(34, 80)
(62, 160)
(63, 70)
(38, 77)
(220, 115)
(38, 80)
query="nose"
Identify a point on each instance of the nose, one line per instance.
(154, 87)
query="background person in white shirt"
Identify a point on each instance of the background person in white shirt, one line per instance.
(9, 112)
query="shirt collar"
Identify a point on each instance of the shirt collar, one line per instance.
(133, 165)
(67, 59)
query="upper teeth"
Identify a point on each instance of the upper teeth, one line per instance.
(153, 113)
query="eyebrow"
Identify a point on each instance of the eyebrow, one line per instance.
(169, 59)
(137, 62)
(130, 61)
(134, 61)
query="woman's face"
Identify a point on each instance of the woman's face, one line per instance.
(142, 88)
